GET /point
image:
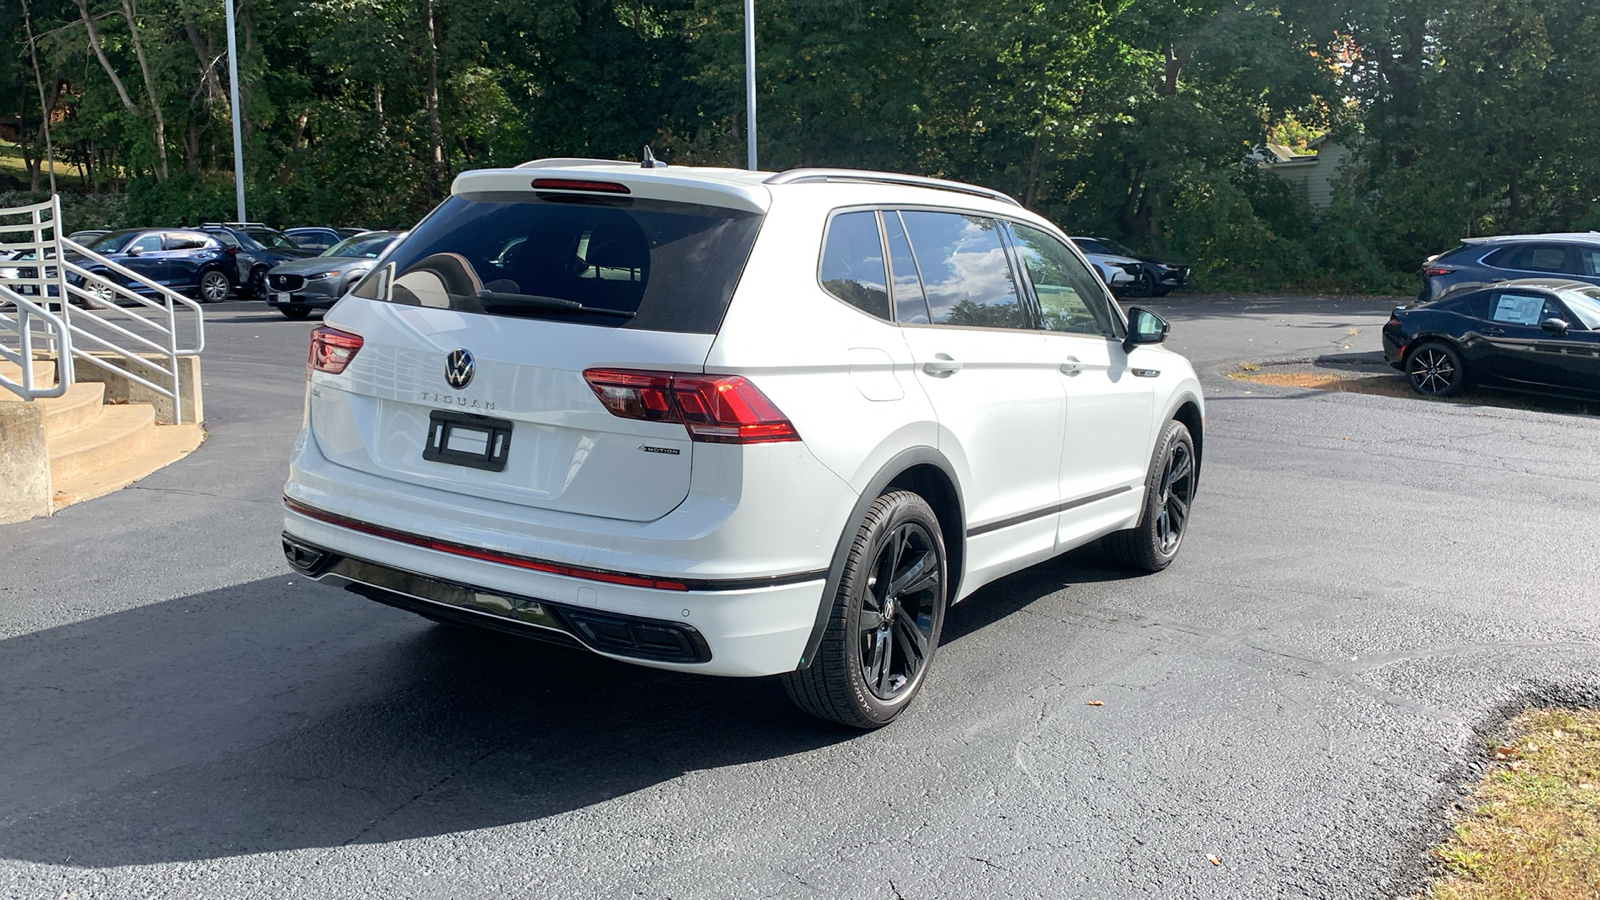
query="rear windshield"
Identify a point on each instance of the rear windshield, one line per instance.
(624, 262)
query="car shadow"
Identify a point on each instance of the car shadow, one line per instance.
(1000, 599)
(279, 715)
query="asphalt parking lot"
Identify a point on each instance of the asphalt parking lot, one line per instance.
(1369, 582)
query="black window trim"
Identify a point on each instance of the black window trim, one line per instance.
(883, 247)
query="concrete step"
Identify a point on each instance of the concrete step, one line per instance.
(78, 408)
(164, 444)
(44, 375)
(120, 432)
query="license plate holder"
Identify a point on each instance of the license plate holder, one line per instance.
(466, 439)
(284, 298)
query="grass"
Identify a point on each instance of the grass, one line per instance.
(1534, 830)
(12, 163)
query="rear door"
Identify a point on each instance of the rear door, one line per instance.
(485, 319)
(988, 373)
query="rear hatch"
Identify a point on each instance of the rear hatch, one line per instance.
(477, 330)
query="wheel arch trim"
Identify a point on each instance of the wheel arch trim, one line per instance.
(902, 463)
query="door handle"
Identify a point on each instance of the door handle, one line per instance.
(1072, 366)
(941, 364)
(1497, 332)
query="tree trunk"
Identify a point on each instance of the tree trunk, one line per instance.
(45, 109)
(191, 147)
(1031, 195)
(94, 44)
(149, 90)
(435, 130)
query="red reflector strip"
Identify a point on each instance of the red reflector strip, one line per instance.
(579, 184)
(504, 559)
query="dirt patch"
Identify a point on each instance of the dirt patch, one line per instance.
(1383, 385)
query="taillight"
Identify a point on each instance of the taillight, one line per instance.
(332, 349)
(1436, 271)
(716, 409)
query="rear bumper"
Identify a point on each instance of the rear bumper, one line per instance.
(744, 570)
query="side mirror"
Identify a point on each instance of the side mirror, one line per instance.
(1554, 326)
(134, 251)
(1144, 327)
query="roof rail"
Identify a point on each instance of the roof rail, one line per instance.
(556, 162)
(863, 176)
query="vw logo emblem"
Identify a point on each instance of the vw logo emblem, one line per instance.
(459, 368)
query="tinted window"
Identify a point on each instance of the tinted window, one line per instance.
(910, 306)
(187, 240)
(653, 264)
(1531, 258)
(1089, 245)
(1522, 309)
(226, 239)
(1069, 294)
(312, 241)
(852, 263)
(965, 273)
(269, 238)
(1586, 261)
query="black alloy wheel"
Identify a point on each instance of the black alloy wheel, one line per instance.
(884, 626)
(214, 286)
(1170, 489)
(258, 283)
(1145, 286)
(1435, 370)
(295, 312)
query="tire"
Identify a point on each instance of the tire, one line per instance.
(1434, 370)
(214, 286)
(295, 312)
(1145, 286)
(870, 665)
(258, 283)
(1169, 492)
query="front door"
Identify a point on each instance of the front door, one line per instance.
(1520, 353)
(1110, 398)
(989, 376)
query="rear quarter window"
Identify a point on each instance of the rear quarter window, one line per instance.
(852, 267)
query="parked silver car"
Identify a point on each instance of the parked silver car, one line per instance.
(297, 287)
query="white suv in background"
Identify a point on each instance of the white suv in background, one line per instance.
(732, 422)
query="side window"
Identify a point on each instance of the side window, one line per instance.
(910, 306)
(185, 240)
(1521, 309)
(148, 243)
(852, 263)
(226, 239)
(965, 272)
(1069, 294)
(1531, 258)
(1585, 261)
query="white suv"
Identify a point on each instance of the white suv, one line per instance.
(733, 422)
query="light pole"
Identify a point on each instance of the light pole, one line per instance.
(750, 81)
(233, 108)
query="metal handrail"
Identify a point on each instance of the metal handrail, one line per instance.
(22, 325)
(120, 344)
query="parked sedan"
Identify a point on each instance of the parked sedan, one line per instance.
(1540, 335)
(1152, 278)
(1479, 262)
(189, 262)
(297, 287)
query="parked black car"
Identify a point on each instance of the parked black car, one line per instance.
(319, 237)
(300, 286)
(1540, 335)
(184, 260)
(258, 248)
(1158, 278)
(1478, 262)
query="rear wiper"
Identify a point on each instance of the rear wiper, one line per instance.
(502, 298)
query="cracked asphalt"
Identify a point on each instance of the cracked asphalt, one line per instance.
(1369, 584)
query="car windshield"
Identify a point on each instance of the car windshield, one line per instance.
(269, 238)
(114, 242)
(1115, 247)
(1585, 304)
(624, 263)
(366, 246)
